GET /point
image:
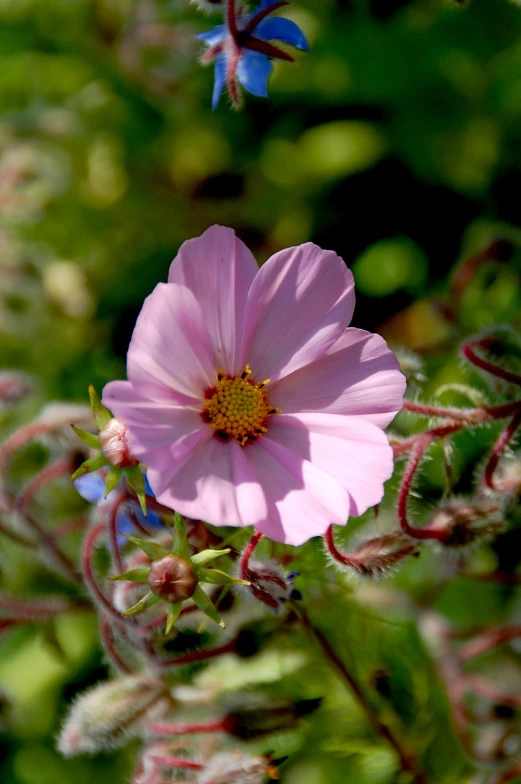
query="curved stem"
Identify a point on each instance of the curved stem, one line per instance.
(468, 351)
(405, 488)
(498, 449)
(107, 640)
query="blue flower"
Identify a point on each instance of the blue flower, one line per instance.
(241, 52)
(92, 488)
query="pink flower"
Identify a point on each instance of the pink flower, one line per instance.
(250, 400)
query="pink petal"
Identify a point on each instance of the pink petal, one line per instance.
(170, 344)
(351, 449)
(303, 500)
(358, 376)
(214, 483)
(298, 306)
(218, 269)
(156, 416)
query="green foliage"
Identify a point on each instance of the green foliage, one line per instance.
(395, 142)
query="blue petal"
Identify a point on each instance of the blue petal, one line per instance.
(219, 79)
(280, 29)
(148, 489)
(254, 71)
(213, 36)
(91, 487)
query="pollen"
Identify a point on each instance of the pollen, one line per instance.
(238, 407)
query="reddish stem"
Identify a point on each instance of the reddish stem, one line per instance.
(260, 15)
(91, 539)
(468, 351)
(168, 728)
(491, 692)
(244, 564)
(70, 527)
(258, 45)
(196, 656)
(415, 459)
(169, 761)
(499, 447)
(61, 467)
(107, 640)
(231, 20)
(347, 560)
(488, 640)
(113, 531)
(437, 411)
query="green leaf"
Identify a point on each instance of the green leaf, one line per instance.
(102, 415)
(148, 600)
(216, 577)
(151, 548)
(180, 543)
(112, 479)
(136, 480)
(133, 575)
(174, 611)
(88, 438)
(89, 466)
(205, 556)
(206, 606)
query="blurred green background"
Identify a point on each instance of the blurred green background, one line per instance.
(396, 142)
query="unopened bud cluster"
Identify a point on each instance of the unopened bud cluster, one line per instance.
(461, 523)
(114, 444)
(108, 715)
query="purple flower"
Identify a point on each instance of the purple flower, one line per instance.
(241, 52)
(91, 487)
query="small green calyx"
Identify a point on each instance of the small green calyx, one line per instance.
(175, 577)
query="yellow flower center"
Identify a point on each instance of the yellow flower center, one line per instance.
(238, 407)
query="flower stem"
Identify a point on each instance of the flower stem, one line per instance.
(469, 352)
(179, 763)
(499, 447)
(489, 639)
(168, 728)
(407, 761)
(405, 489)
(107, 640)
(244, 565)
(197, 656)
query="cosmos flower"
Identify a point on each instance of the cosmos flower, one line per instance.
(250, 400)
(241, 52)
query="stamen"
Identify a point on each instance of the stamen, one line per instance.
(238, 407)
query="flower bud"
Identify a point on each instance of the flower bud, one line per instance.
(462, 523)
(234, 767)
(381, 554)
(114, 444)
(267, 584)
(172, 578)
(13, 387)
(108, 715)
